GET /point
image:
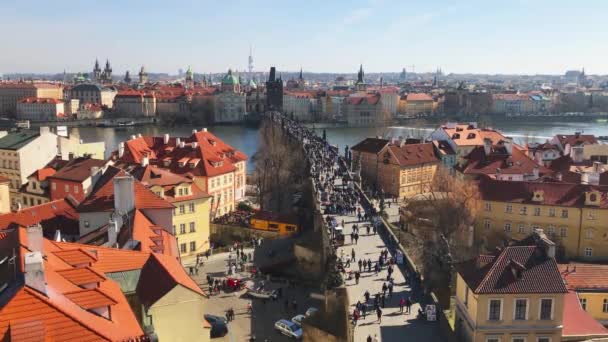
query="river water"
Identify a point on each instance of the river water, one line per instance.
(246, 138)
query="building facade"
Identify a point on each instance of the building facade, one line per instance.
(12, 92)
(40, 109)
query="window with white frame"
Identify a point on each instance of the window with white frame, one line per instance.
(508, 227)
(552, 212)
(495, 310)
(509, 208)
(523, 210)
(564, 213)
(563, 232)
(488, 206)
(588, 252)
(521, 228)
(487, 224)
(605, 305)
(536, 211)
(520, 310)
(546, 309)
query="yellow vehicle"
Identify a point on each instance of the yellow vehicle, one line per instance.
(284, 224)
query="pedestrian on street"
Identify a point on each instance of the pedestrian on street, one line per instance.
(368, 229)
(408, 306)
(369, 338)
(390, 290)
(383, 300)
(374, 229)
(384, 288)
(377, 268)
(401, 304)
(352, 237)
(356, 238)
(360, 264)
(355, 316)
(366, 295)
(379, 314)
(352, 255)
(357, 276)
(369, 265)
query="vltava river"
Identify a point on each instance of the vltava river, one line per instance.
(246, 138)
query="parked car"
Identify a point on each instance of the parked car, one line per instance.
(219, 325)
(288, 328)
(311, 311)
(298, 320)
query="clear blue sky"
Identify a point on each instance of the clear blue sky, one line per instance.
(479, 36)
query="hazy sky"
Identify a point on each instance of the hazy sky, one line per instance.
(480, 36)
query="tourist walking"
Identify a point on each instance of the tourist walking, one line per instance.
(379, 315)
(360, 264)
(352, 255)
(401, 304)
(408, 306)
(357, 276)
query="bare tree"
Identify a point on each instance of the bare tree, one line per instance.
(280, 167)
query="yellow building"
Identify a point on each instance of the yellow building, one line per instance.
(575, 216)
(405, 170)
(191, 215)
(12, 92)
(5, 200)
(590, 281)
(418, 104)
(282, 224)
(366, 153)
(515, 295)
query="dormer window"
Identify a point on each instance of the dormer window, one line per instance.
(212, 142)
(538, 196)
(167, 162)
(471, 136)
(455, 136)
(593, 198)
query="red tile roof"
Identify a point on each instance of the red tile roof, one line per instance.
(216, 156)
(467, 135)
(40, 100)
(581, 277)
(413, 154)
(78, 169)
(364, 100)
(515, 269)
(576, 139)
(500, 161)
(62, 313)
(55, 215)
(370, 145)
(81, 276)
(76, 257)
(89, 298)
(578, 323)
(559, 194)
(102, 195)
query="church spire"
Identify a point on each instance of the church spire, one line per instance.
(301, 76)
(360, 75)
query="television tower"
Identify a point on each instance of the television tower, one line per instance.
(250, 65)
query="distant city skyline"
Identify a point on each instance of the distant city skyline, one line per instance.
(519, 37)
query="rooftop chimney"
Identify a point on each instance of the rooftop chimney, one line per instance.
(558, 176)
(182, 144)
(133, 136)
(204, 129)
(194, 131)
(34, 238)
(145, 160)
(177, 141)
(114, 226)
(509, 145)
(124, 194)
(121, 149)
(166, 138)
(34, 271)
(487, 146)
(536, 171)
(139, 135)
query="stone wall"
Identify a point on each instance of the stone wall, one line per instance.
(332, 322)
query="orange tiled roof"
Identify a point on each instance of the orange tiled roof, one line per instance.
(102, 196)
(81, 276)
(40, 100)
(89, 298)
(75, 257)
(419, 97)
(466, 135)
(216, 156)
(580, 276)
(62, 313)
(59, 214)
(414, 154)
